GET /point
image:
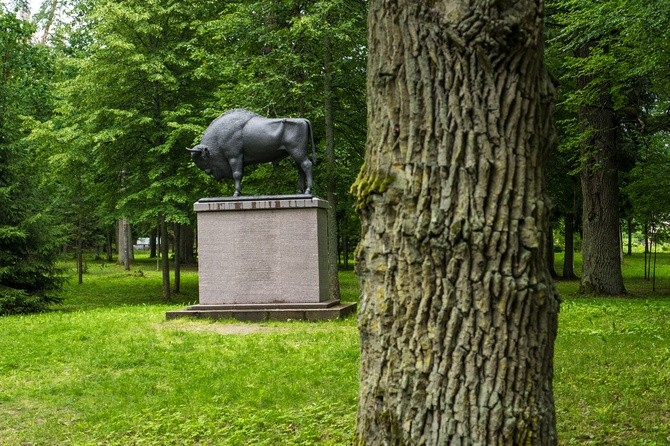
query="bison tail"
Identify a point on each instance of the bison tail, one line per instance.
(311, 136)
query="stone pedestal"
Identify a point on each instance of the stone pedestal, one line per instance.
(263, 258)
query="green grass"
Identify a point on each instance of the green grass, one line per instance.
(612, 360)
(125, 376)
(612, 371)
(107, 369)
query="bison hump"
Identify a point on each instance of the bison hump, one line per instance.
(228, 124)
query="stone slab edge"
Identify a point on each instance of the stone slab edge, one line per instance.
(266, 306)
(258, 203)
(259, 315)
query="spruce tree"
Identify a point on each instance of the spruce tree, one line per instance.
(28, 233)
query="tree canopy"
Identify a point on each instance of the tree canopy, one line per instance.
(134, 83)
(108, 95)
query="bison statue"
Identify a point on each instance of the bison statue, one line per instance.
(239, 137)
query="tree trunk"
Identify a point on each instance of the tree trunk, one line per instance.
(653, 280)
(80, 251)
(177, 258)
(165, 258)
(187, 245)
(601, 248)
(333, 278)
(124, 243)
(646, 249)
(569, 257)
(629, 233)
(550, 252)
(152, 243)
(108, 247)
(345, 250)
(458, 311)
(51, 15)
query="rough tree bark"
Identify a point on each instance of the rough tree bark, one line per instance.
(601, 234)
(458, 311)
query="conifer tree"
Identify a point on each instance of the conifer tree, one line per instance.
(29, 235)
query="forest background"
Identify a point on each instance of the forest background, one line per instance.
(100, 98)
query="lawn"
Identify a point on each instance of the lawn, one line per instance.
(105, 368)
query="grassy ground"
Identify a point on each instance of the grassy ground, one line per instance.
(107, 369)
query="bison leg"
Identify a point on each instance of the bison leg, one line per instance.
(306, 176)
(237, 166)
(302, 179)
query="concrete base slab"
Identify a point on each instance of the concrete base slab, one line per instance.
(321, 311)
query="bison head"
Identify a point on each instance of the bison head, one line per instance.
(202, 158)
(199, 151)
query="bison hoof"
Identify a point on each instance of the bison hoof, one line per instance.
(237, 193)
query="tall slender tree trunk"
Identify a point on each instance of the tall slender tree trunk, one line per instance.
(551, 259)
(187, 248)
(570, 229)
(80, 234)
(569, 257)
(177, 257)
(108, 247)
(152, 243)
(345, 251)
(165, 258)
(629, 234)
(50, 16)
(80, 251)
(333, 278)
(458, 311)
(601, 247)
(646, 249)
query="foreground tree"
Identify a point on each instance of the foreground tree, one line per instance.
(458, 313)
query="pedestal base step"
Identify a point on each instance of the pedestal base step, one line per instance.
(320, 311)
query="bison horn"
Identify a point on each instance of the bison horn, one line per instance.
(194, 150)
